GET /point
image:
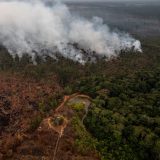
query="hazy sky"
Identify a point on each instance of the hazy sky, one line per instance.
(109, 0)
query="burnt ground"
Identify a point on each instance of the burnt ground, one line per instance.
(19, 106)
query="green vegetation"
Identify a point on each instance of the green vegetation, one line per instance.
(45, 107)
(78, 107)
(57, 121)
(35, 122)
(126, 121)
(84, 142)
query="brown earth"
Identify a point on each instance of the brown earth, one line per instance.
(19, 99)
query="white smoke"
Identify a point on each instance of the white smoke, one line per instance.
(27, 27)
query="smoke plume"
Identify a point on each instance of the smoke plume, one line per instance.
(27, 27)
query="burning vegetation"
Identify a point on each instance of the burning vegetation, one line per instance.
(45, 54)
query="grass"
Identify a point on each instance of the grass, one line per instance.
(84, 142)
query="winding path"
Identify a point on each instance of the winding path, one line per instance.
(75, 98)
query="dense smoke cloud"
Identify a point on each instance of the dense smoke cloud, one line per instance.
(27, 27)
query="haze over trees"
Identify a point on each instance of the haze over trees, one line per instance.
(51, 52)
(124, 119)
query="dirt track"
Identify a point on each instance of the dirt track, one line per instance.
(75, 98)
